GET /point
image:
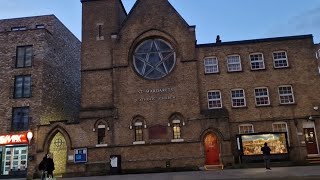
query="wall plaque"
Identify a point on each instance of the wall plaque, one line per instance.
(158, 132)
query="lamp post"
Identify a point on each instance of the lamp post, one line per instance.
(29, 137)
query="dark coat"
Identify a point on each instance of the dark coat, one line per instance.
(266, 150)
(43, 164)
(50, 165)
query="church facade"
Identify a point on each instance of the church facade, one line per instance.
(154, 97)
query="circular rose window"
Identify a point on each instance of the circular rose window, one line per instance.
(154, 59)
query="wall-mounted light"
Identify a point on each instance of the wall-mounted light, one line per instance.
(29, 136)
(169, 124)
(130, 126)
(315, 108)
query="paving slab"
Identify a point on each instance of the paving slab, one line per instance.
(277, 173)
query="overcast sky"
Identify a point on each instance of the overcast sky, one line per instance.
(232, 19)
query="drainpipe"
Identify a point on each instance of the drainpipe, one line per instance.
(298, 138)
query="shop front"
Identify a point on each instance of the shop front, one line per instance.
(250, 146)
(14, 154)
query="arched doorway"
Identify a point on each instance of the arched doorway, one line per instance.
(58, 150)
(212, 149)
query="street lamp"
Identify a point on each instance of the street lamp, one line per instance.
(29, 136)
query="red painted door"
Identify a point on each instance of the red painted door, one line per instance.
(311, 143)
(212, 149)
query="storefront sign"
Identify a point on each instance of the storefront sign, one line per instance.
(14, 139)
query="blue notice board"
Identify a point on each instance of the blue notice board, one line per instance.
(80, 155)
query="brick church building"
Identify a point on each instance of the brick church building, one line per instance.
(153, 96)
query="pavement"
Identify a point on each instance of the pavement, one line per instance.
(277, 173)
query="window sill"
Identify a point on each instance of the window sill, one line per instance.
(212, 73)
(240, 107)
(260, 69)
(282, 67)
(139, 142)
(237, 71)
(215, 108)
(289, 104)
(177, 140)
(261, 106)
(101, 145)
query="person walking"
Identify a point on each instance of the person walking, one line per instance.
(50, 166)
(266, 155)
(43, 168)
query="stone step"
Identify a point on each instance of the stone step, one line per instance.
(314, 162)
(213, 167)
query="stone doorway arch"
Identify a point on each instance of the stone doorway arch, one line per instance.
(58, 151)
(212, 149)
(57, 144)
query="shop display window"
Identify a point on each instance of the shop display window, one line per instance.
(250, 144)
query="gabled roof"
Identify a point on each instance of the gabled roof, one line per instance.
(140, 1)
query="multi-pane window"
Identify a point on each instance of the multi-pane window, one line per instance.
(234, 63)
(280, 59)
(138, 131)
(246, 129)
(211, 65)
(22, 86)
(214, 99)
(24, 56)
(20, 119)
(238, 98)
(176, 127)
(262, 96)
(257, 61)
(280, 127)
(286, 95)
(101, 133)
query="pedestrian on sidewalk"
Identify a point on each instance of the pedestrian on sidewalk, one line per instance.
(43, 168)
(266, 155)
(50, 166)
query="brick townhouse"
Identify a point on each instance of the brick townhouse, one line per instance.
(39, 83)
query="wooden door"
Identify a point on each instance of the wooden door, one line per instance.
(212, 149)
(311, 143)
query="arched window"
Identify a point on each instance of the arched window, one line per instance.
(176, 129)
(138, 130)
(101, 134)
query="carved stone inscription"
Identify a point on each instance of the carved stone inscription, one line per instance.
(157, 94)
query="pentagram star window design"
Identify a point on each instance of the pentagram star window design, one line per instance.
(154, 59)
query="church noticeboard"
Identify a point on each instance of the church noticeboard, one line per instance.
(157, 132)
(80, 155)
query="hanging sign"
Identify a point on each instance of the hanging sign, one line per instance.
(14, 139)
